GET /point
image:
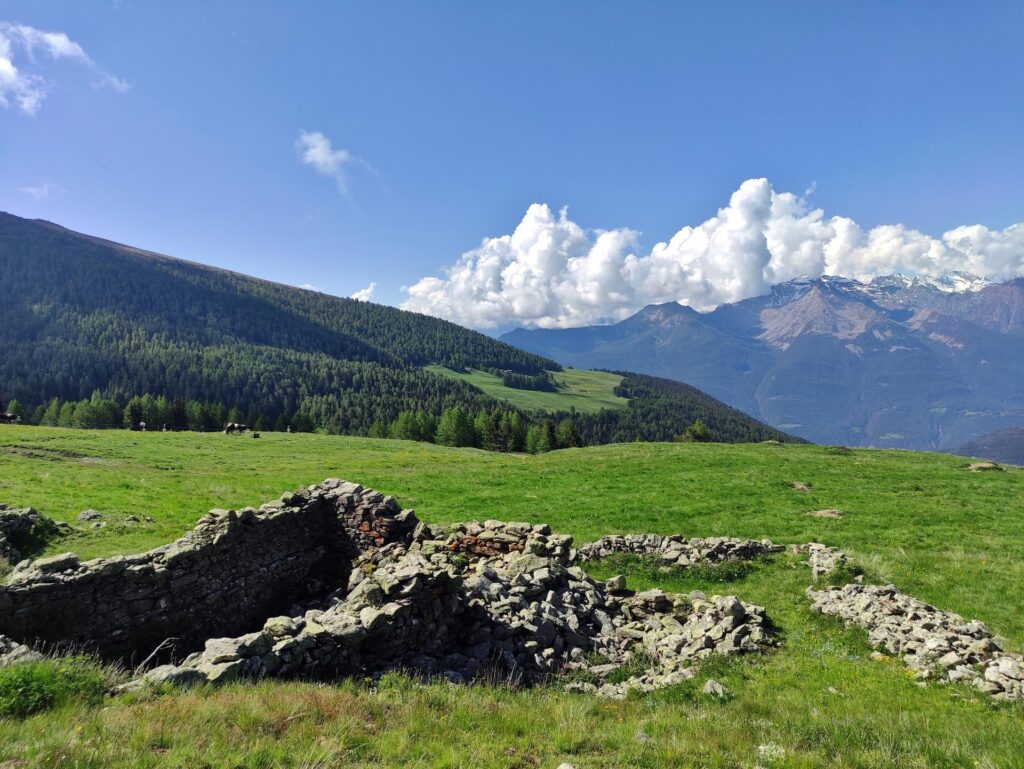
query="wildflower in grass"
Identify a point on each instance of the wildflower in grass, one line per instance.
(770, 752)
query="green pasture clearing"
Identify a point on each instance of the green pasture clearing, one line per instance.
(585, 391)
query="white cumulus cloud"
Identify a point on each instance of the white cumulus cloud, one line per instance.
(552, 273)
(20, 49)
(316, 151)
(365, 294)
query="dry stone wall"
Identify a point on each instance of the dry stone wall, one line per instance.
(499, 601)
(821, 558)
(678, 551)
(222, 578)
(354, 585)
(933, 643)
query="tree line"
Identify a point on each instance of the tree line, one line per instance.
(492, 430)
(497, 429)
(151, 412)
(542, 382)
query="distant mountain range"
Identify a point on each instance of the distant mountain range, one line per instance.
(896, 362)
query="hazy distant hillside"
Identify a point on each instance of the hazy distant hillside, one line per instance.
(896, 362)
(81, 314)
(1001, 446)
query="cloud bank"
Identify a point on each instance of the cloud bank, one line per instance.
(19, 46)
(552, 273)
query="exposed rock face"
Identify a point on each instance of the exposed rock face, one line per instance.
(223, 577)
(932, 642)
(495, 600)
(678, 551)
(22, 529)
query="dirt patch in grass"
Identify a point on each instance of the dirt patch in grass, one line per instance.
(829, 512)
(40, 452)
(980, 467)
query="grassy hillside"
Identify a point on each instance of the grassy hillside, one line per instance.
(940, 532)
(585, 391)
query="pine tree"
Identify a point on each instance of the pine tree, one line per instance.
(484, 431)
(566, 436)
(517, 432)
(404, 427)
(499, 430)
(51, 417)
(448, 427)
(302, 423)
(195, 416)
(546, 440)
(134, 412)
(533, 438)
(426, 427)
(698, 432)
(67, 415)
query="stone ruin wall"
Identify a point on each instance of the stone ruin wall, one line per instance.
(222, 578)
(338, 580)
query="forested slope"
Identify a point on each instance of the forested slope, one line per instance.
(81, 314)
(85, 318)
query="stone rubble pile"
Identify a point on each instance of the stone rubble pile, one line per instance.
(496, 601)
(821, 558)
(933, 643)
(672, 633)
(21, 527)
(676, 550)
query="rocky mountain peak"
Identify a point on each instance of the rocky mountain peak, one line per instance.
(820, 310)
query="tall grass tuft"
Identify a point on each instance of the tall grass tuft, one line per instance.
(51, 682)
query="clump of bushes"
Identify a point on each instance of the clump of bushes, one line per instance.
(542, 382)
(32, 687)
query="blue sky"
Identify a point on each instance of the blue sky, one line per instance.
(180, 131)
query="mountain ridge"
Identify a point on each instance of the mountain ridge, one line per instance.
(893, 362)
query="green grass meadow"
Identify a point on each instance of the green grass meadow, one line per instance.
(585, 391)
(923, 521)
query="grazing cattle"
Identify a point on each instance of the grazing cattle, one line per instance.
(255, 435)
(7, 418)
(232, 428)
